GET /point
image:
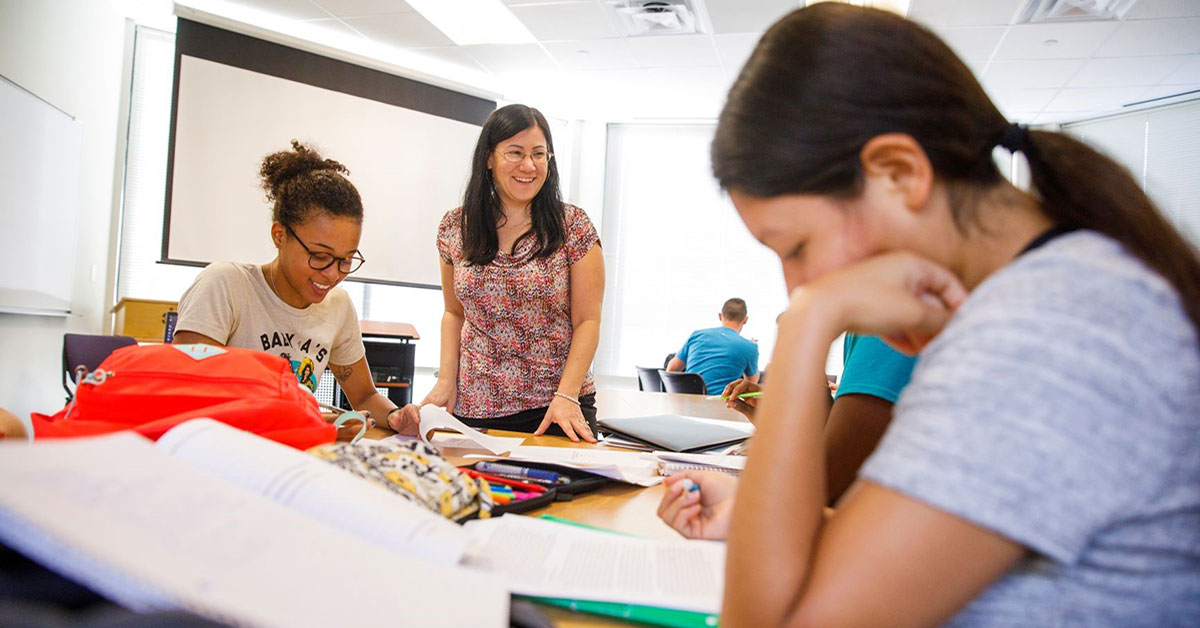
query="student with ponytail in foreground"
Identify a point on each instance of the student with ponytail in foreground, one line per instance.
(1043, 466)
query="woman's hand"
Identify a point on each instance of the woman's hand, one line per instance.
(405, 420)
(737, 387)
(569, 417)
(702, 514)
(444, 394)
(904, 299)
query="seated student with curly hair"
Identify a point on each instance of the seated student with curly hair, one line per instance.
(291, 306)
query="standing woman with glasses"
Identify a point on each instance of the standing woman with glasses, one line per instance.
(291, 306)
(522, 280)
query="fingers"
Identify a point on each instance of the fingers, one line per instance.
(680, 508)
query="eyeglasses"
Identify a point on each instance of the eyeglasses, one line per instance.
(514, 156)
(318, 260)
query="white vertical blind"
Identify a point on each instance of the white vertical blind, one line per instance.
(674, 250)
(1161, 147)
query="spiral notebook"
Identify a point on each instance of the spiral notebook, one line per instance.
(671, 462)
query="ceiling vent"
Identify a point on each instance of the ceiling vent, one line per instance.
(644, 18)
(1074, 10)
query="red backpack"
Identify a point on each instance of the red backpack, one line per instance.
(152, 388)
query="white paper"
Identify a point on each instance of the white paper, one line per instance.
(627, 466)
(548, 559)
(436, 418)
(315, 488)
(154, 533)
(674, 462)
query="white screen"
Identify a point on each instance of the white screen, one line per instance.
(409, 167)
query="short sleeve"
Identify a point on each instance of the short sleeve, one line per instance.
(682, 354)
(752, 365)
(581, 234)
(348, 343)
(873, 368)
(1046, 409)
(207, 306)
(449, 236)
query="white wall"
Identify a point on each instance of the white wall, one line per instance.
(70, 53)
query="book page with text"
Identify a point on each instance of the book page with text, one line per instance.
(315, 488)
(154, 533)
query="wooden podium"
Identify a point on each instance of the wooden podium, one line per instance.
(391, 355)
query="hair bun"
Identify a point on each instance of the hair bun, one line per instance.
(281, 167)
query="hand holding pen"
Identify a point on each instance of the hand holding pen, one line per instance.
(742, 395)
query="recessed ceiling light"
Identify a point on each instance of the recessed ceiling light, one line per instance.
(468, 22)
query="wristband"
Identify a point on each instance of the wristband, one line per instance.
(568, 398)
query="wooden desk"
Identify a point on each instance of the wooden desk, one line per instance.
(620, 507)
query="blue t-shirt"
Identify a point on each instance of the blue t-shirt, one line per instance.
(870, 367)
(720, 355)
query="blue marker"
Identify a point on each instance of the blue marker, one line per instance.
(511, 470)
(689, 485)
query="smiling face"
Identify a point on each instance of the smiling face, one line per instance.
(297, 283)
(517, 183)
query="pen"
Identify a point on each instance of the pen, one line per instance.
(521, 472)
(754, 394)
(689, 485)
(513, 483)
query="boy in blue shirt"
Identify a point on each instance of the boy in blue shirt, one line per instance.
(720, 354)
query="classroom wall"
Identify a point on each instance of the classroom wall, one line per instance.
(70, 53)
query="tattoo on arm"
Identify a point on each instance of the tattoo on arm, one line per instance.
(342, 373)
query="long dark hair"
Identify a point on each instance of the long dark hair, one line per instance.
(826, 79)
(482, 210)
(301, 181)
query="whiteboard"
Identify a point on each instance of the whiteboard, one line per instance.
(410, 168)
(39, 182)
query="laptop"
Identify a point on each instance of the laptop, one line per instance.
(672, 432)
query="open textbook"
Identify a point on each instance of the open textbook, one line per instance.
(246, 531)
(434, 419)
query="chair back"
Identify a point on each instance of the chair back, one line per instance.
(88, 351)
(690, 383)
(648, 379)
(667, 361)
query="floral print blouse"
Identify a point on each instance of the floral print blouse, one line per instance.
(517, 328)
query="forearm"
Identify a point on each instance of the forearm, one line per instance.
(452, 325)
(584, 341)
(781, 497)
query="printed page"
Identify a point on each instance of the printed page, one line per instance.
(549, 559)
(155, 533)
(435, 418)
(315, 488)
(626, 466)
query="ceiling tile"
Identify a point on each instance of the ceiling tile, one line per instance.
(971, 42)
(1154, 37)
(1152, 9)
(674, 52)
(450, 54)
(1061, 117)
(1017, 99)
(1029, 73)
(526, 59)
(358, 8)
(1095, 98)
(734, 50)
(964, 12)
(566, 21)
(747, 16)
(1188, 72)
(290, 9)
(1073, 40)
(596, 54)
(1124, 71)
(403, 30)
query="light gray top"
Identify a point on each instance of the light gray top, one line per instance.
(1061, 408)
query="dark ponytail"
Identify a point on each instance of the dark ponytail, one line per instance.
(826, 79)
(301, 181)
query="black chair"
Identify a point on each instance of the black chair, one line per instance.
(667, 362)
(87, 351)
(690, 383)
(648, 379)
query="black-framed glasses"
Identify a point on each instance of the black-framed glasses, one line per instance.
(515, 156)
(318, 260)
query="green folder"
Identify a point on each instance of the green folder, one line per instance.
(653, 615)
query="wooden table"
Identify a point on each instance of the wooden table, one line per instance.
(620, 507)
